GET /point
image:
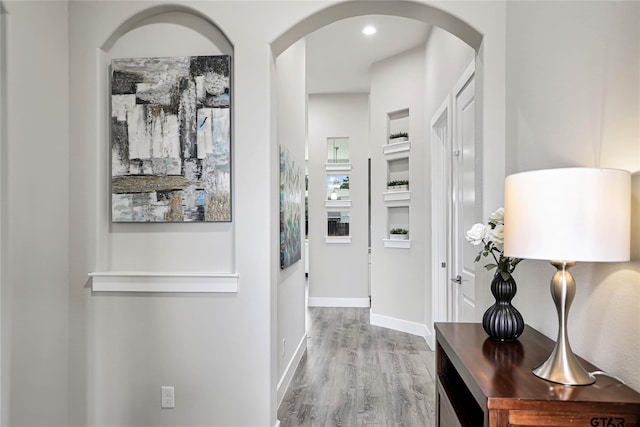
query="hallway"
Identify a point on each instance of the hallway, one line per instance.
(355, 374)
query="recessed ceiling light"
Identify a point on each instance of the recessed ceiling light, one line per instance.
(369, 30)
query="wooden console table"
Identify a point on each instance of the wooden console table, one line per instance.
(483, 382)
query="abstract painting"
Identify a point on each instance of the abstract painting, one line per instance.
(290, 208)
(171, 139)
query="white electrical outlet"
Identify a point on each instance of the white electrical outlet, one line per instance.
(168, 397)
(284, 347)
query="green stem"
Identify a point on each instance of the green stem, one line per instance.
(492, 254)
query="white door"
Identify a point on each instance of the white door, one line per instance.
(463, 203)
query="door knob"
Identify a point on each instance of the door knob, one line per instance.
(458, 279)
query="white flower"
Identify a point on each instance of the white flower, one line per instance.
(491, 237)
(496, 235)
(477, 233)
(497, 217)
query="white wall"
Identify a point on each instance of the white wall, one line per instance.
(489, 18)
(224, 332)
(291, 115)
(167, 247)
(573, 100)
(446, 58)
(217, 350)
(398, 276)
(126, 324)
(35, 193)
(338, 272)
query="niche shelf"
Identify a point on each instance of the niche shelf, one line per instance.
(337, 167)
(397, 217)
(337, 203)
(337, 240)
(396, 196)
(396, 244)
(398, 130)
(338, 227)
(338, 155)
(396, 147)
(398, 185)
(398, 169)
(338, 191)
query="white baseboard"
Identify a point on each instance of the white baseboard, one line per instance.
(287, 375)
(431, 339)
(338, 302)
(407, 326)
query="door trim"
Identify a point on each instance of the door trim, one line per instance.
(456, 235)
(441, 304)
(440, 196)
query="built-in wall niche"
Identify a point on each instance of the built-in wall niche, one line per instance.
(338, 154)
(337, 191)
(398, 233)
(398, 138)
(398, 170)
(338, 227)
(398, 185)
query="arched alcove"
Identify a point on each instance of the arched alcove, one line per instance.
(176, 14)
(162, 31)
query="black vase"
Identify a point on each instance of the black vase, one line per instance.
(502, 321)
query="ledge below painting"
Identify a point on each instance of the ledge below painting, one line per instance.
(138, 281)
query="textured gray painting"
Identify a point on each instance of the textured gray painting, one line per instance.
(171, 139)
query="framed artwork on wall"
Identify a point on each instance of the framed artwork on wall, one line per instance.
(290, 208)
(171, 139)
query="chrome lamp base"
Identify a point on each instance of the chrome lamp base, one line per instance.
(562, 366)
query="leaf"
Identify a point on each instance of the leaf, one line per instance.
(478, 257)
(505, 276)
(490, 266)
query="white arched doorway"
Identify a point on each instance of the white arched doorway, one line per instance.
(407, 9)
(412, 10)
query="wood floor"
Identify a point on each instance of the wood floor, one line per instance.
(355, 374)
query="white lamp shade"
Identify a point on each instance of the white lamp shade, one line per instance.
(571, 214)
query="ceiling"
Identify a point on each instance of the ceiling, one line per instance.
(339, 56)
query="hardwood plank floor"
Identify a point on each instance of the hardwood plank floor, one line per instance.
(355, 374)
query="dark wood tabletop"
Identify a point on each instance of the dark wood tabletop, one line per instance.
(499, 373)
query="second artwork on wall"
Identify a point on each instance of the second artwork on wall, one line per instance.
(290, 204)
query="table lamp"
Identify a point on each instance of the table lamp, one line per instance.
(567, 215)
